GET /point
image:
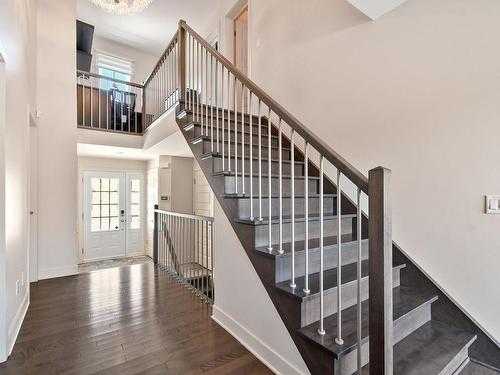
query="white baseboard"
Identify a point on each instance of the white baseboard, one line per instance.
(57, 272)
(257, 347)
(15, 326)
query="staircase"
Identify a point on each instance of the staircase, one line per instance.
(295, 206)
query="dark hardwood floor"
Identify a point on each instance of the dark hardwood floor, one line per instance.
(127, 320)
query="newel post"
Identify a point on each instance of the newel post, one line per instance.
(155, 236)
(380, 271)
(182, 63)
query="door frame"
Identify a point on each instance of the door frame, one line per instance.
(81, 209)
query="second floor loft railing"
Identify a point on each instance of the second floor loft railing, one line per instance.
(161, 87)
(109, 104)
(183, 246)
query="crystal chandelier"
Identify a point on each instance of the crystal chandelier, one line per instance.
(122, 6)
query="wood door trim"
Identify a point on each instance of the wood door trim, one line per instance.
(245, 9)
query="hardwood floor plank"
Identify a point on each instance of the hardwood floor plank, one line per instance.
(129, 320)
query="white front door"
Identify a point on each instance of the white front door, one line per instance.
(104, 215)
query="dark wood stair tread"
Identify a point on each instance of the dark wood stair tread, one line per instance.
(349, 273)
(313, 245)
(204, 138)
(288, 219)
(405, 300)
(475, 368)
(429, 348)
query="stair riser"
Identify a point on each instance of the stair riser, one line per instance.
(329, 227)
(349, 255)
(255, 124)
(402, 328)
(229, 185)
(287, 167)
(329, 206)
(197, 131)
(207, 147)
(311, 307)
(455, 364)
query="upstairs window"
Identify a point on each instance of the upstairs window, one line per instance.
(115, 68)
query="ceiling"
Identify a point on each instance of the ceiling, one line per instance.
(151, 30)
(103, 151)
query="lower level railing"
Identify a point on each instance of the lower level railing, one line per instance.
(183, 246)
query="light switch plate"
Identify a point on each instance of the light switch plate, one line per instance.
(492, 204)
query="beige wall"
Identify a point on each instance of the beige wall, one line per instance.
(143, 62)
(57, 160)
(417, 92)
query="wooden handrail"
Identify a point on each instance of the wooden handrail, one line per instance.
(347, 169)
(95, 75)
(162, 56)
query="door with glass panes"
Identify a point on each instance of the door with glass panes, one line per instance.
(104, 215)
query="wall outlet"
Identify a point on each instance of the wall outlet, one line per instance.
(17, 287)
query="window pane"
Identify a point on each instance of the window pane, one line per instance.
(113, 210)
(135, 210)
(104, 223)
(96, 184)
(113, 184)
(135, 223)
(96, 198)
(135, 198)
(105, 197)
(136, 185)
(96, 210)
(113, 198)
(104, 184)
(105, 210)
(95, 225)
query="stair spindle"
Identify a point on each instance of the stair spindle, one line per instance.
(321, 329)
(339, 339)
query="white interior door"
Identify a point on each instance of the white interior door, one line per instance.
(152, 199)
(135, 214)
(104, 215)
(202, 193)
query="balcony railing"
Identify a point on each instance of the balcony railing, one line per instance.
(109, 104)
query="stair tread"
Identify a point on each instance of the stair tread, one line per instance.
(313, 245)
(429, 348)
(349, 273)
(474, 368)
(288, 219)
(405, 300)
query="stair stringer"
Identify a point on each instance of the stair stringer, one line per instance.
(318, 361)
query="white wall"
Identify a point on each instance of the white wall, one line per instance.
(17, 45)
(243, 307)
(57, 160)
(417, 92)
(143, 61)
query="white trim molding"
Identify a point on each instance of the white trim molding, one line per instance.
(256, 346)
(17, 322)
(50, 273)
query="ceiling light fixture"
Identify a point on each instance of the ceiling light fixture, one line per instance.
(122, 6)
